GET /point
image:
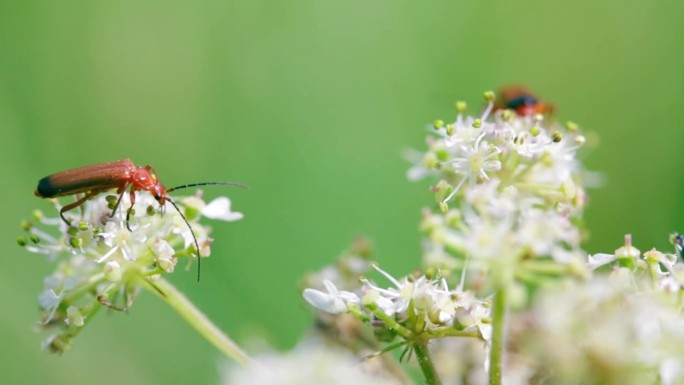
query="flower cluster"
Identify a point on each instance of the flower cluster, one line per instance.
(509, 191)
(417, 308)
(100, 262)
(510, 201)
(608, 330)
(623, 325)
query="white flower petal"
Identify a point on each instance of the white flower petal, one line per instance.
(219, 208)
(162, 249)
(600, 259)
(387, 305)
(334, 301)
(324, 301)
(49, 299)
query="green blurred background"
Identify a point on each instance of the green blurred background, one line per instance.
(310, 103)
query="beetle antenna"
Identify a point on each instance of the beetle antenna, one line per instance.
(199, 256)
(227, 183)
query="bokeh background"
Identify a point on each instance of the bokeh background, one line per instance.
(310, 103)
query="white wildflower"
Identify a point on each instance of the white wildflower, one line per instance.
(431, 302)
(100, 258)
(607, 331)
(516, 182)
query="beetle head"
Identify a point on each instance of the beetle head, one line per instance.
(159, 193)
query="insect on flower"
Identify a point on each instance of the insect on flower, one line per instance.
(677, 240)
(119, 175)
(522, 101)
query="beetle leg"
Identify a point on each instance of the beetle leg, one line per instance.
(157, 288)
(78, 203)
(128, 213)
(101, 299)
(121, 192)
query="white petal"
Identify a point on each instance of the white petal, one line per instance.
(107, 254)
(486, 332)
(52, 282)
(112, 271)
(330, 287)
(324, 301)
(600, 259)
(492, 165)
(186, 234)
(416, 173)
(162, 249)
(49, 299)
(446, 317)
(219, 208)
(671, 370)
(127, 254)
(194, 202)
(387, 305)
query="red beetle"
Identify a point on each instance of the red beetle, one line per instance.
(522, 101)
(120, 175)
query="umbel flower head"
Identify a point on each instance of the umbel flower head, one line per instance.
(417, 308)
(509, 191)
(622, 325)
(101, 263)
(609, 330)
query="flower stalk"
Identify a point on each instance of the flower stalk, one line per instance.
(186, 309)
(427, 367)
(497, 343)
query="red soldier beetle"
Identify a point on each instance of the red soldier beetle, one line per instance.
(120, 175)
(522, 101)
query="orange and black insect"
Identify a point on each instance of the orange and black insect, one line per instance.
(677, 241)
(522, 101)
(119, 175)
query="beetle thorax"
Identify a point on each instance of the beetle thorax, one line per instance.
(144, 178)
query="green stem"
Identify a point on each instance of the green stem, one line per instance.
(392, 324)
(498, 325)
(455, 333)
(426, 365)
(388, 361)
(164, 290)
